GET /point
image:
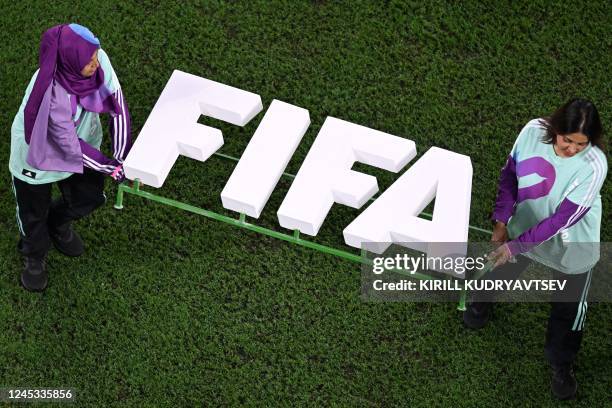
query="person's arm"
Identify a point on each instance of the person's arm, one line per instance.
(119, 124)
(506, 199)
(568, 213)
(65, 135)
(507, 191)
(96, 160)
(120, 129)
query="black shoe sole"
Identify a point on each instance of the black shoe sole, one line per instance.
(566, 397)
(570, 394)
(35, 290)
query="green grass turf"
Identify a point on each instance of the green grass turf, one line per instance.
(168, 308)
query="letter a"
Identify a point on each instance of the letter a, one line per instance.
(393, 217)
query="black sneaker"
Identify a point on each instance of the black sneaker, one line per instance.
(477, 314)
(67, 241)
(34, 276)
(563, 383)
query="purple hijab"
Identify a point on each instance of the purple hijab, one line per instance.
(64, 51)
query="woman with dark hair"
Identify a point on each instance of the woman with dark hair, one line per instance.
(56, 137)
(548, 203)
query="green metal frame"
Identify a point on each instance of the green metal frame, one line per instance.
(241, 222)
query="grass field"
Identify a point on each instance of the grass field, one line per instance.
(168, 308)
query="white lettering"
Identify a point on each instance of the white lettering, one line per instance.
(393, 217)
(326, 177)
(172, 129)
(265, 158)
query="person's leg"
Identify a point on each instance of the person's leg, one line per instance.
(478, 310)
(81, 195)
(567, 317)
(564, 331)
(32, 210)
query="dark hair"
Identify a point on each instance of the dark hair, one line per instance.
(576, 116)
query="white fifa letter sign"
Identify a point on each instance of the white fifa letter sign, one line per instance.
(325, 177)
(172, 129)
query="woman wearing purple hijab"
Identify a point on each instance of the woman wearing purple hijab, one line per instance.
(56, 138)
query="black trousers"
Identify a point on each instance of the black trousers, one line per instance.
(567, 314)
(38, 215)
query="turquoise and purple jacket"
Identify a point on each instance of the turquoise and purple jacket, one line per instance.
(551, 203)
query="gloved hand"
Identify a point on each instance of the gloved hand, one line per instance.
(118, 175)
